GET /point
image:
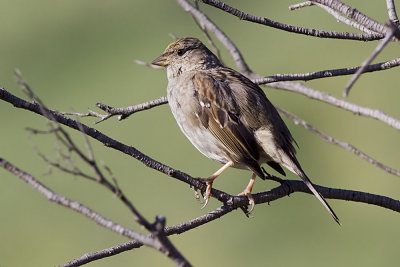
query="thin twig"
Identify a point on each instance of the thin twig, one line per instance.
(127, 111)
(368, 61)
(209, 39)
(392, 12)
(301, 5)
(354, 14)
(339, 143)
(337, 102)
(123, 112)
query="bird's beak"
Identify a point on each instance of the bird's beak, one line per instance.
(161, 61)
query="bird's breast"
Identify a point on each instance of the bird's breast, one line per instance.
(185, 107)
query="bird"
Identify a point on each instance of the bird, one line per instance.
(227, 117)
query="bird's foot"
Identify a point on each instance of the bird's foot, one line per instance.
(252, 203)
(207, 194)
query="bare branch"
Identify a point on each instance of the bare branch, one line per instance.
(354, 14)
(339, 143)
(368, 61)
(123, 112)
(264, 197)
(336, 15)
(392, 12)
(301, 5)
(296, 29)
(236, 201)
(337, 102)
(96, 217)
(90, 113)
(327, 73)
(176, 229)
(127, 111)
(209, 39)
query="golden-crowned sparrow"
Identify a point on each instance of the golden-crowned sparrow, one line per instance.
(226, 116)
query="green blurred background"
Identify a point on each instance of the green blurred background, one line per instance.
(76, 53)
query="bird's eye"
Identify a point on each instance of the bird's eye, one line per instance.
(180, 52)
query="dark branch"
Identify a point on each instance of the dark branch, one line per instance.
(327, 73)
(290, 28)
(274, 194)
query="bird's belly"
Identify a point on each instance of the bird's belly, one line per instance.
(206, 143)
(192, 128)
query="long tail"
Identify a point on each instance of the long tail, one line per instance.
(310, 185)
(293, 165)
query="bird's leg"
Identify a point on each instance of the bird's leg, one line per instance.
(247, 192)
(209, 181)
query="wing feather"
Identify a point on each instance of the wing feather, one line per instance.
(220, 114)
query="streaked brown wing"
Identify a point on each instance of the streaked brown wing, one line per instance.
(220, 114)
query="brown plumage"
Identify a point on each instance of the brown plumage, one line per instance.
(226, 116)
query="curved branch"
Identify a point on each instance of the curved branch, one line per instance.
(335, 14)
(295, 29)
(265, 197)
(354, 14)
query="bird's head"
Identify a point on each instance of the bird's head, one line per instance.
(186, 54)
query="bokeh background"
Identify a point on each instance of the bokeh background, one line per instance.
(76, 53)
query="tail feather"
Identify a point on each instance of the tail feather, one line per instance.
(310, 186)
(293, 165)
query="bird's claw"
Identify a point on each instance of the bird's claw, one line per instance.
(207, 194)
(250, 197)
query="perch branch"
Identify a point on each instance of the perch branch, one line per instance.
(221, 211)
(236, 201)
